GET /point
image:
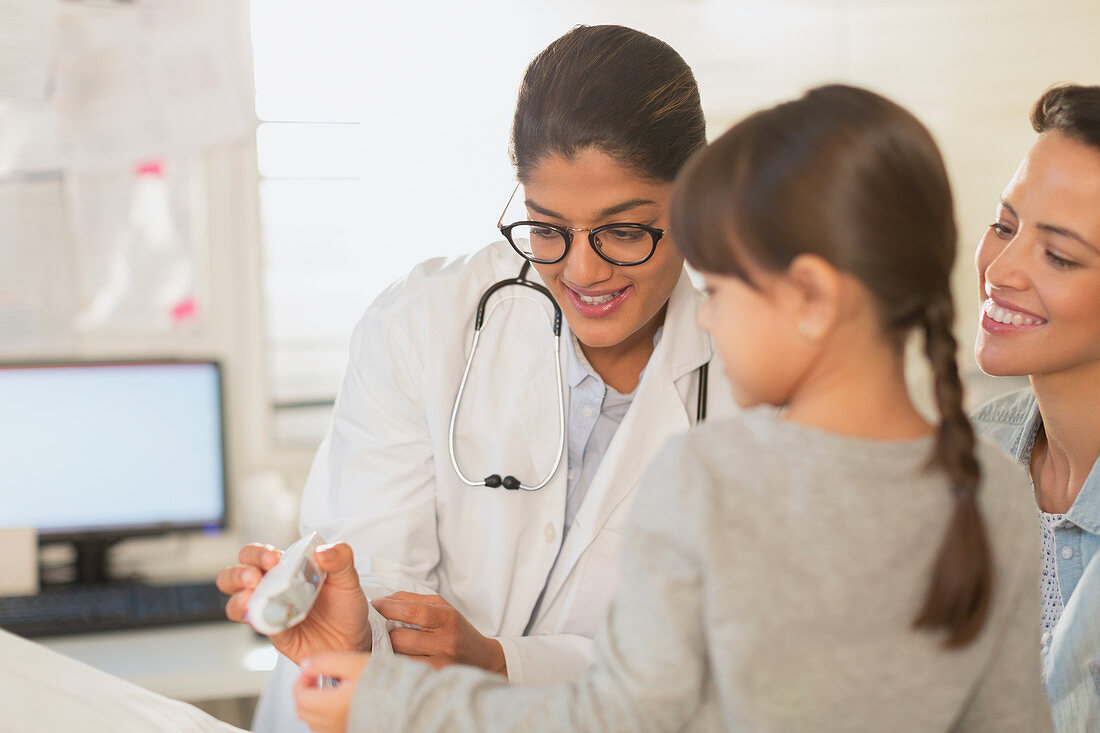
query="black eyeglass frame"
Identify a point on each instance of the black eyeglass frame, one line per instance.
(567, 235)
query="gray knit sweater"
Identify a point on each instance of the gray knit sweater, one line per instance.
(769, 581)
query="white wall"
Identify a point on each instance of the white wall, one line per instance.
(969, 68)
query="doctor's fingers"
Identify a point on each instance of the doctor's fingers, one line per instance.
(429, 599)
(238, 577)
(436, 649)
(424, 615)
(237, 605)
(262, 556)
(338, 561)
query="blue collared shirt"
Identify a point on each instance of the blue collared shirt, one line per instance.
(595, 413)
(1071, 653)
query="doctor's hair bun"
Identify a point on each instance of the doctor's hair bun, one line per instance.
(614, 89)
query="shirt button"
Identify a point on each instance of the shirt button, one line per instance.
(1045, 638)
(572, 474)
(550, 534)
(588, 411)
(1067, 552)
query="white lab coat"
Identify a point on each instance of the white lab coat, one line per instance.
(383, 482)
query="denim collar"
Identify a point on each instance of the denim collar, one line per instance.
(1025, 441)
(1023, 410)
(1085, 512)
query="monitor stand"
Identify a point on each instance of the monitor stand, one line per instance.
(91, 560)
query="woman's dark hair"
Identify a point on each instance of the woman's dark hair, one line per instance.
(853, 178)
(1070, 109)
(614, 89)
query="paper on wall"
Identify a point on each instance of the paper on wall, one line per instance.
(134, 253)
(30, 139)
(101, 87)
(36, 280)
(27, 36)
(148, 80)
(198, 83)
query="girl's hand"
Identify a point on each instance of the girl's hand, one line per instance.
(338, 619)
(325, 709)
(445, 637)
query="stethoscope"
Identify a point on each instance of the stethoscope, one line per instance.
(511, 483)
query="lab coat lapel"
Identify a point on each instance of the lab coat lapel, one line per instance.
(509, 424)
(657, 413)
(658, 416)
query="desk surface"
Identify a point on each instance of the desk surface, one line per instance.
(210, 661)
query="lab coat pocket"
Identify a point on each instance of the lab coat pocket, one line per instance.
(596, 578)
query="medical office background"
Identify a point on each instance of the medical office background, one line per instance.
(286, 160)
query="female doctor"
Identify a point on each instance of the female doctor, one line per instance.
(494, 522)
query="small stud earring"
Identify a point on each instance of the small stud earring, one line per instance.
(805, 329)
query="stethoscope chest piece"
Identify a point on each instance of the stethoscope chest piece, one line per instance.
(509, 482)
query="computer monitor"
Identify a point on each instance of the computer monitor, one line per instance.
(91, 453)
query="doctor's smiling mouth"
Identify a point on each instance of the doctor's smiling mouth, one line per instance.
(607, 305)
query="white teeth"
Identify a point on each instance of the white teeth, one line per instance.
(1007, 317)
(599, 299)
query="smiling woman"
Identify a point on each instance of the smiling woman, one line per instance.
(613, 309)
(1039, 276)
(516, 582)
(1039, 264)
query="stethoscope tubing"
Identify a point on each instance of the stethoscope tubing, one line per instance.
(479, 321)
(510, 482)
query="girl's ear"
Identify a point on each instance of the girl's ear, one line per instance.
(815, 289)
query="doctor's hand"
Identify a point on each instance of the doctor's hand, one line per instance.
(338, 619)
(325, 709)
(445, 637)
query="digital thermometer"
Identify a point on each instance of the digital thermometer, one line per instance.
(287, 591)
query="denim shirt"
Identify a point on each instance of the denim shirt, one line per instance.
(1071, 654)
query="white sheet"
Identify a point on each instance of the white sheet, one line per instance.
(42, 690)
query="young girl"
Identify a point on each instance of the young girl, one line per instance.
(823, 569)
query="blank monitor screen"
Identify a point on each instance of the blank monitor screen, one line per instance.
(93, 448)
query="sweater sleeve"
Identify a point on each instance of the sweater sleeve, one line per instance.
(650, 656)
(546, 658)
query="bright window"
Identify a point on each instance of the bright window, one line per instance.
(379, 135)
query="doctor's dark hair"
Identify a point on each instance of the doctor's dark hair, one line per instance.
(1070, 109)
(846, 175)
(612, 88)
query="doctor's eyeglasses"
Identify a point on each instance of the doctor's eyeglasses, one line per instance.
(544, 244)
